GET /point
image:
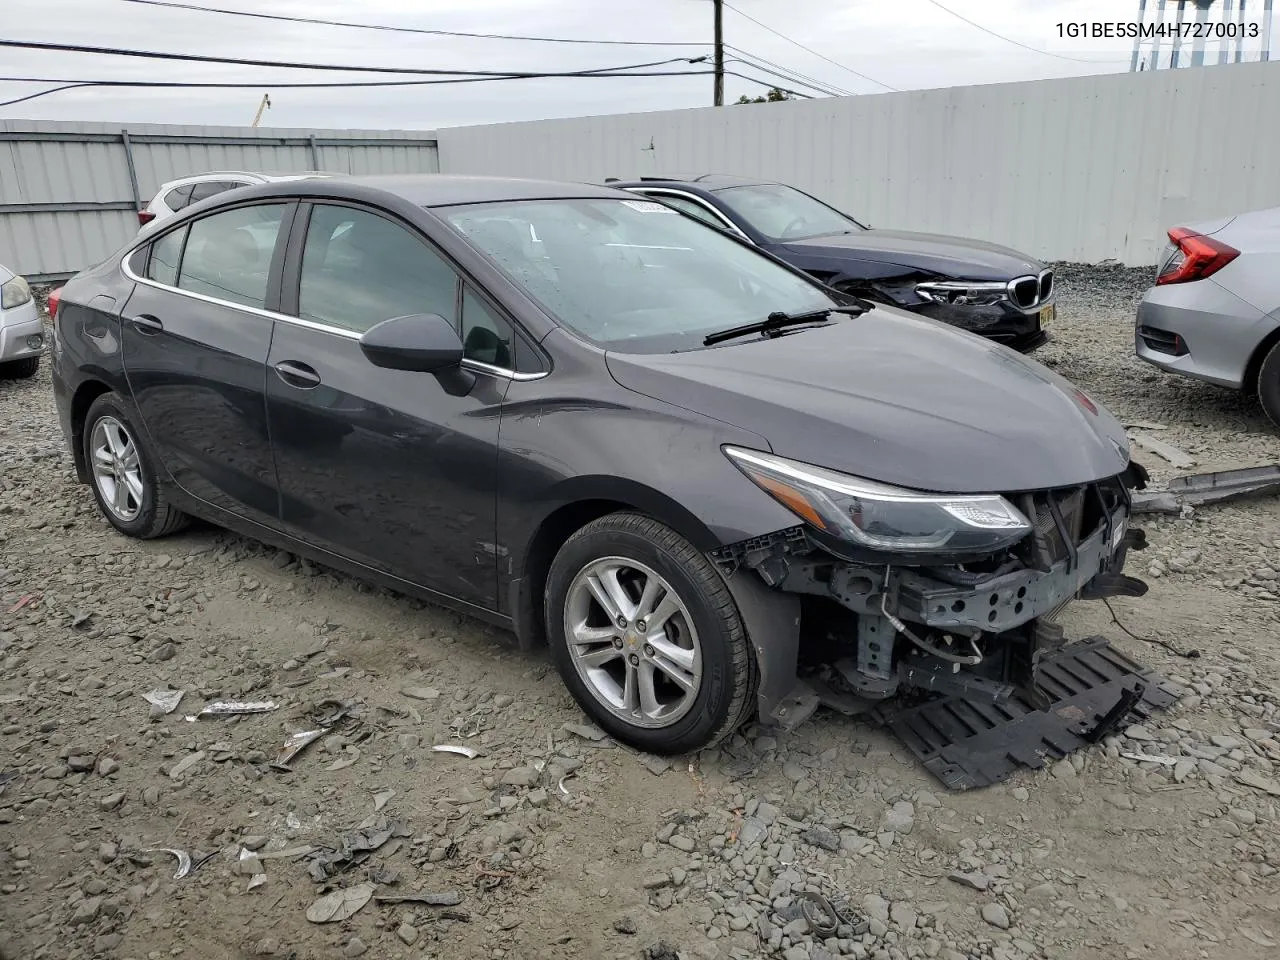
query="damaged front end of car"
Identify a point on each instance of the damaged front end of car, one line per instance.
(879, 591)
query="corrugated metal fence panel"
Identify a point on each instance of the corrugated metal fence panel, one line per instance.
(85, 165)
(1082, 169)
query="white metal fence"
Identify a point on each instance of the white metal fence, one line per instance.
(1082, 169)
(70, 192)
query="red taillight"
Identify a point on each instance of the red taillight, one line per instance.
(1195, 257)
(55, 296)
(145, 217)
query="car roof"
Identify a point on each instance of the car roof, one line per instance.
(439, 190)
(706, 181)
(247, 174)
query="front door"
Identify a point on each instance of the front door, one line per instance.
(385, 467)
(195, 334)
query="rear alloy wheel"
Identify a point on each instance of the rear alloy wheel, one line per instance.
(1269, 384)
(20, 369)
(647, 637)
(123, 479)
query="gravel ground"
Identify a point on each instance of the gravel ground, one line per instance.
(556, 842)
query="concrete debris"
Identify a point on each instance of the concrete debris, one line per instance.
(1178, 458)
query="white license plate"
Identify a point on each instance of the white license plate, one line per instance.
(1046, 316)
(1118, 536)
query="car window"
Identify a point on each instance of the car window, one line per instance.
(359, 269)
(165, 252)
(211, 188)
(784, 213)
(632, 274)
(178, 197)
(693, 208)
(486, 337)
(228, 254)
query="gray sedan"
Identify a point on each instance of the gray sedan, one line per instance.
(1214, 313)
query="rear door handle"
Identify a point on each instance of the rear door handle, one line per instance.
(297, 374)
(147, 325)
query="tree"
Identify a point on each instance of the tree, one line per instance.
(773, 96)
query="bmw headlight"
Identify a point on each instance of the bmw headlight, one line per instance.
(886, 519)
(14, 293)
(961, 294)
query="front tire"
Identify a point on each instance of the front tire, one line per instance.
(1269, 384)
(23, 369)
(647, 637)
(123, 473)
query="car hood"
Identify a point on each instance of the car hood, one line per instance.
(956, 257)
(896, 398)
(5, 274)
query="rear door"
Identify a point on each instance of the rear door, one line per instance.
(195, 335)
(385, 467)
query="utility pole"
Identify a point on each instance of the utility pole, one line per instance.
(718, 7)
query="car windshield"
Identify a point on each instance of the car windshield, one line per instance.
(632, 275)
(784, 213)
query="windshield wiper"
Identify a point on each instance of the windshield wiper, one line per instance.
(777, 321)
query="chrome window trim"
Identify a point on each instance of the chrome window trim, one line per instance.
(668, 192)
(474, 365)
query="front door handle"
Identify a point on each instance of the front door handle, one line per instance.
(297, 374)
(147, 325)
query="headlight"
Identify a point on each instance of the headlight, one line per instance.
(14, 293)
(959, 293)
(879, 517)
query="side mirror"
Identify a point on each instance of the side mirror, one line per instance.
(421, 342)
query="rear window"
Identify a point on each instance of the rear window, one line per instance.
(178, 197)
(228, 255)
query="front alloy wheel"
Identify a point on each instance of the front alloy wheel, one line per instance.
(647, 637)
(633, 642)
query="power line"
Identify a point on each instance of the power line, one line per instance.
(809, 49)
(397, 29)
(759, 62)
(352, 25)
(293, 65)
(770, 85)
(779, 75)
(1017, 43)
(70, 84)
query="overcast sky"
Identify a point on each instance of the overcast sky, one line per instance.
(905, 44)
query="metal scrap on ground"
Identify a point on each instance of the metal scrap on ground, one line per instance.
(1213, 487)
(163, 701)
(226, 708)
(340, 904)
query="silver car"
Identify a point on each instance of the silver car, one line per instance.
(22, 337)
(1214, 313)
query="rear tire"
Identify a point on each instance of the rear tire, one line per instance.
(1269, 384)
(666, 666)
(22, 369)
(123, 475)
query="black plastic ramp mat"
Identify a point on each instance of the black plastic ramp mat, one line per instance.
(973, 743)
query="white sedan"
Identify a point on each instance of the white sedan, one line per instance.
(22, 335)
(1214, 312)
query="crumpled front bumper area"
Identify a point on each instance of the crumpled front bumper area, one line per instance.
(1003, 602)
(978, 640)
